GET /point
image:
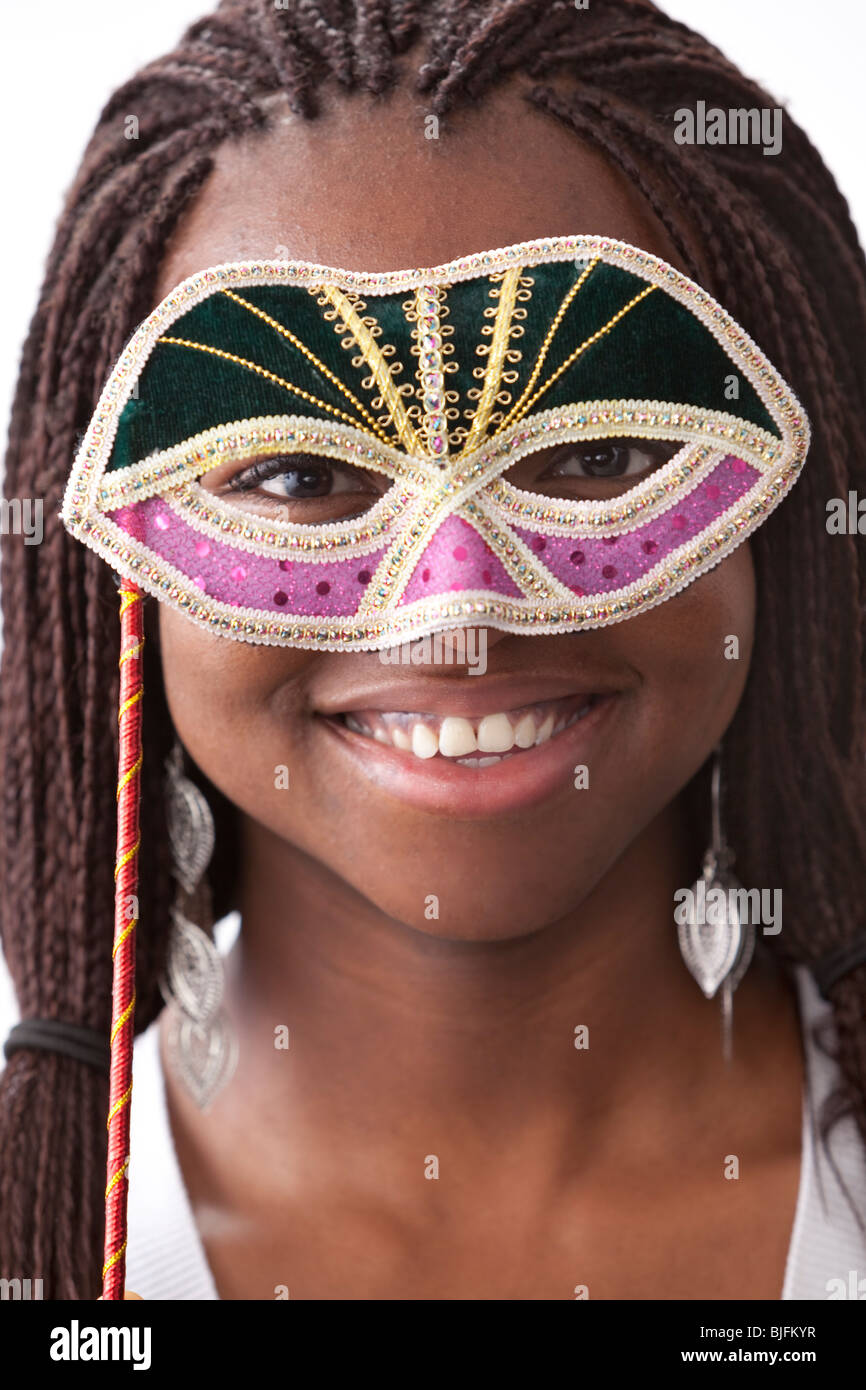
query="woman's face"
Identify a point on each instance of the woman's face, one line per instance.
(514, 846)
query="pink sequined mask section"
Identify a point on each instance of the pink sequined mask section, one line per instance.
(240, 578)
(456, 559)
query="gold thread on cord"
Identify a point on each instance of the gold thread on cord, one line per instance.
(125, 858)
(132, 651)
(118, 1106)
(124, 1018)
(495, 358)
(316, 361)
(129, 774)
(127, 598)
(113, 1260)
(117, 1175)
(588, 342)
(376, 361)
(262, 371)
(127, 931)
(548, 339)
(128, 704)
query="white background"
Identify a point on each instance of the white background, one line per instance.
(61, 59)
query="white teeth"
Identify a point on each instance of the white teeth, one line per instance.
(424, 742)
(495, 734)
(524, 734)
(456, 737)
(546, 730)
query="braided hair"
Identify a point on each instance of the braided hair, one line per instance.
(772, 239)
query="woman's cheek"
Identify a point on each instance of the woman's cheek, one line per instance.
(236, 706)
(694, 652)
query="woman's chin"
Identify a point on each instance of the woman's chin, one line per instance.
(459, 907)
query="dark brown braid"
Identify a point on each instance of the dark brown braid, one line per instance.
(779, 250)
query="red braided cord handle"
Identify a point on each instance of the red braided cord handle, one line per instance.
(125, 922)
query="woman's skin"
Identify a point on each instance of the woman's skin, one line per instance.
(558, 1168)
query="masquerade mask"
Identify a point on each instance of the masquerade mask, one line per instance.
(544, 438)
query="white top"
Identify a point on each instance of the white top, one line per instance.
(166, 1259)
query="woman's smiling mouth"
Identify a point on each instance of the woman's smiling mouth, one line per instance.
(473, 762)
(476, 742)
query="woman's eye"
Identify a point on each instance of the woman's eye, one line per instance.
(591, 469)
(606, 458)
(299, 488)
(295, 478)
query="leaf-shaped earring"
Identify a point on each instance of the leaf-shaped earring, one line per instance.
(717, 948)
(201, 1042)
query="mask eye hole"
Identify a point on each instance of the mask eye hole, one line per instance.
(306, 489)
(591, 469)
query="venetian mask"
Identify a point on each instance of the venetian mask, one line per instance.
(544, 438)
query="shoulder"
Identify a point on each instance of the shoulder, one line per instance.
(827, 1257)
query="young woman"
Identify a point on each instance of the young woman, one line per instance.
(457, 1052)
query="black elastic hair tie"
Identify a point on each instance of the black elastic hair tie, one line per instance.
(839, 963)
(53, 1035)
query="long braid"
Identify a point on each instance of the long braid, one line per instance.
(781, 253)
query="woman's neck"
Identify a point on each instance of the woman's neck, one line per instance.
(555, 1044)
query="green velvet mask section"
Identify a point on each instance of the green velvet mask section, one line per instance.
(658, 350)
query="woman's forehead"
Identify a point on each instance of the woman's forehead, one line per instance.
(373, 185)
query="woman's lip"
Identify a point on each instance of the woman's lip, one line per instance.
(473, 697)
(441, 786)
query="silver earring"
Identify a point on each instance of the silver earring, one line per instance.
(717, 951)
(201, 1041)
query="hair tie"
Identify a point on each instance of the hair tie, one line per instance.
(53, 1035)
(839, 963)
